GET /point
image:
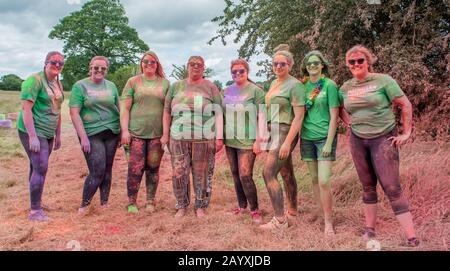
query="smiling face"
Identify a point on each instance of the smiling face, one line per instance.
(196, 67)
(280, 66)
(239, 74)
(149, 65)
(314, 66)
(98, 69)
(54, 65)
(358, 65)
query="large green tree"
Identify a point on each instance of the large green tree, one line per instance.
(409, 37)
(99, 28)
(181, 72)
(10, 82)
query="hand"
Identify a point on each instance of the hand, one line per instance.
(399, 140)
(57, 144)
(86, 145)
(326, 150)
(257, 147)
(284, 151)
(164, 139)
(35, 145)
(219, 145)
(125, 137)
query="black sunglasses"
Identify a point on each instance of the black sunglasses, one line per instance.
(281, 64)
(54, 63)
(354, 61)
(240, 71)
(149, 62)
(313, 63)
(99, 68)
(196, 64)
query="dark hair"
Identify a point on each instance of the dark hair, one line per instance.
(325, 63)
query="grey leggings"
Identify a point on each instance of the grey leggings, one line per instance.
(241, 165)
(100, 161)
(377, 159)
(38, 167)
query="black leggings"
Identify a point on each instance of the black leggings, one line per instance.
(241, 165)
(38, 167)
(273, 166)
(100, 161)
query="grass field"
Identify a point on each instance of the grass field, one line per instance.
(425, 177)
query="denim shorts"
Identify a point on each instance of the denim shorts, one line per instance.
(311, 150)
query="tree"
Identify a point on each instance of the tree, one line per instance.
(218, 84)
(99, 28)
(11, 82)
(121, 76)
(409, 37)
(181, 72)
(229, 83)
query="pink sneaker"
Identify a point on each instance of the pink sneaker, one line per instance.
(256, 216)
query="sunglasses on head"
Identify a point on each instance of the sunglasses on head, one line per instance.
(354, 61)
(313, 63)
(99, 68)
(149, 62)
(240, 71)
(196, 64)
(56, 63)
(280, 64)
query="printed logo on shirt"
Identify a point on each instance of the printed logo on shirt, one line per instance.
(360, 92)
(98, 93)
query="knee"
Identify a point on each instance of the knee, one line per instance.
(246, 179)
(370, 194)
(268, 175)
(324, 184)
(398, 202)
(153, 170)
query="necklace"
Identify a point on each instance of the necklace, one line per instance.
(313, 95)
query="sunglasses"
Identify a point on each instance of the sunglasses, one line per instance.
(149, 62)
(280, 64)
(354, 61)
(196, 64)
(240, 71)
(99, 68)
(56, 63)
(313, 63)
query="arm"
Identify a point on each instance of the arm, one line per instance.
(345, 117)
(29, 125)
(167, 119)
(334, 112)
(406, 118)
(296, 125)
(78, 124)
(219, 130)
(260, 132)
(124, 121)
(58, 134)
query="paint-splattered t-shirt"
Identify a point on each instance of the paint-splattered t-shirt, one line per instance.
(286, 95)
(241, 107)
(47, 102)
(147, 105)
(192, 110)
(98, 105)
(317, 118)
(369, 104)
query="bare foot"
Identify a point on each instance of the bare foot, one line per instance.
(329, 229)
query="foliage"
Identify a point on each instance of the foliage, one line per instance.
(121, 76)
(410, 39)
(10, 82)
(99, 28)
(218, 84)
(181, 72)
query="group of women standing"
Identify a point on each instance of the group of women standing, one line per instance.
(190, 118)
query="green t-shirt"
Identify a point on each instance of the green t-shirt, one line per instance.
(240, 115)
(369, 104)
(98, 105)
(47, 102)
(317, 118)
(191, 109)
(291, 93)
(147, 105)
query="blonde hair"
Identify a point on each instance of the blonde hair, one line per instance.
(283, 49)
(196, 57)
(370, 57)
(159, 68)
(104, 58)
(240, 61)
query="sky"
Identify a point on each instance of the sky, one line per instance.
(174, 29)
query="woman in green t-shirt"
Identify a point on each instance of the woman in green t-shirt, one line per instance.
(141, 125)
(285, 101)
(39, 125)
(318, 136)
(241, 104)
(94, 110)
(374, 139)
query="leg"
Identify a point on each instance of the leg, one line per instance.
(246, 160)
(136, 165)
(154, 156)
(313, 171)
(364, 168)
(96, 163)
(181, 168)
(326, 198)
(111, 143)
(202, 164)
(232, 155)
(290, 185)
(271, 168)
(386, 162)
